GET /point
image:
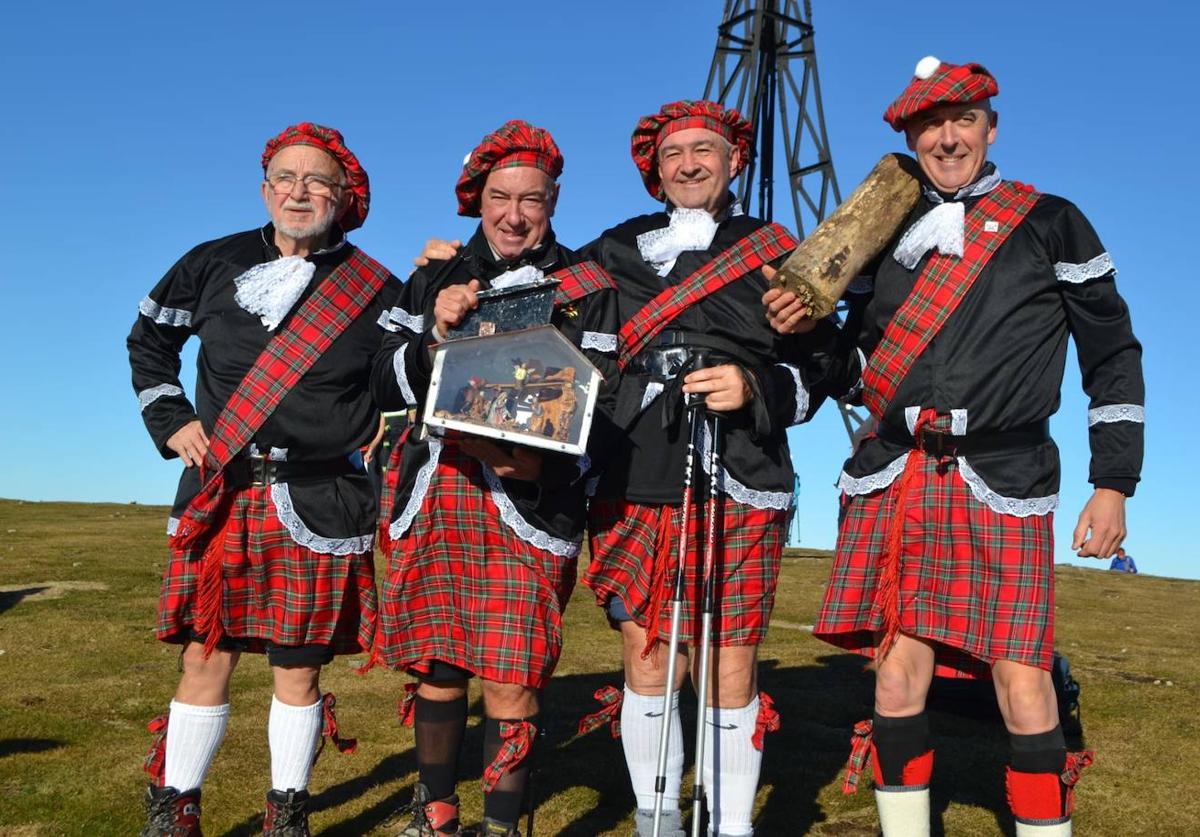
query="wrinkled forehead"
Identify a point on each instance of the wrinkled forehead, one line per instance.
(305, 159)
(949, 111)
(518, 180)
(691, 138)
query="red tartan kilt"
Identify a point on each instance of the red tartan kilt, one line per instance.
(977, 582)
(274, 589)
(634, 549)
(461, 587)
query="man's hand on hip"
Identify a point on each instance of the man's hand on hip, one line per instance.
(190, 442)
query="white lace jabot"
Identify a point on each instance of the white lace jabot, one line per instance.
(271, 289)
(689, 229)
(942, 226)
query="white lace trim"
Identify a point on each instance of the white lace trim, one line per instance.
(600, 341)
(148, 396)
(688, 229)
(401, 370)
(727, 484)
(272, 288)
(420, 488)
(911, 414)
(177, 317)
(1116, 412)
(1101, 265)
(399, 318)
(1015, 506)
(523, 275)
(854, 486)
(172, 526)
(801, 393)
(520, 526)
(281, 498)
(943, 226)
(652, 391)
(958, 422)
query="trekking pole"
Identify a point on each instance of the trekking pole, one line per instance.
(710, 552)
(692, 404)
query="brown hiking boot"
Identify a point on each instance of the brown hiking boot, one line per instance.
(286, 815)
(431, 817)
(170, 813)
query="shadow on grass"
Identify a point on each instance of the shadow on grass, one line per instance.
(11, 598)
(15, 746)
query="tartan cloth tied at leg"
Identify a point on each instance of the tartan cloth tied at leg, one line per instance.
(609, 712)
(155, 763)
(407, 708)
(1076, 762)
(860, 754)
(767, 721)
(518, 741)
(330, 729)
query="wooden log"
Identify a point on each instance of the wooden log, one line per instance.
(825, 263)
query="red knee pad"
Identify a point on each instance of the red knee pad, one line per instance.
(1035, 796)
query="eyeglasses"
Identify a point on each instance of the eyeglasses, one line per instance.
(314, 184)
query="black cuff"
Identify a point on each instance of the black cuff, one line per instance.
(1125, 485)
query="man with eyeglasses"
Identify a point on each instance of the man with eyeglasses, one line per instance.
(272, 527)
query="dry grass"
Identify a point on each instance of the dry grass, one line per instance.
(80, 674)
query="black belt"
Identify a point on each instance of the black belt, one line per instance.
(259, 470)
(939, 444)
(672, 353)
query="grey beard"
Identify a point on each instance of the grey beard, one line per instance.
(317, 228)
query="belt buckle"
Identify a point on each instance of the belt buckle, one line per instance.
(937, 440)
(262, 469)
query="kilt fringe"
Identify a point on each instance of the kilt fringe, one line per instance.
(330, 731)
(860, 755)
(155, 763)
(211, 584)
(518, 741)
(768, 720)
(658, 584)
(611, 698)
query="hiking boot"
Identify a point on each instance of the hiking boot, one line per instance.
(431, 817)
(496, 828)
(286, 815)
(170, 813)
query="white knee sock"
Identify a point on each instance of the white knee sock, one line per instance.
(641, 725)
(193, 735)
(293, 733)
(730, 792)
(903, 813)
(1062, 829)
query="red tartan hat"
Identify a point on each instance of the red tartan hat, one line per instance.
(938, 83)
(330, 141)
(676, 116)
(515, 143)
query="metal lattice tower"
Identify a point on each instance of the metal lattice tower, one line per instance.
(765, 66)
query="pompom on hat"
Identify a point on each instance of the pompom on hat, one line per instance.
(515, 143)
(677, 116)
(938, 83)
(330, 141)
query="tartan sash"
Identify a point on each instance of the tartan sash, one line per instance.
(765, 244)
(940, 288)
(579, 280)
(336, 303)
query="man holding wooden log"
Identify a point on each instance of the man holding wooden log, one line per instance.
(945, 557)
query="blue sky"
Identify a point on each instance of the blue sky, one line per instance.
(132, 132)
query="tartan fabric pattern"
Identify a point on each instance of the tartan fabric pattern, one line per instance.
(579, 280)
(677, 116)
(155, 763)
(861, 746)
(633, 555)
(764, 245)
(462, 588)
(330, 141)
(515, 143)
(273, 589)
(768, 720)
(611, 698)
(938, 291)
(977, 582)
(518, 737)
(949, 84)
(339, 300)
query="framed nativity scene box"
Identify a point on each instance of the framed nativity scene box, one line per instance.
(529, 387)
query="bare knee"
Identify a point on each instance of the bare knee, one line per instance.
(443, 691)
(648, 675)
(205, 681)
(902, 678)
(734, 680)
(508, 701)
(297, 685)
(1026, 697)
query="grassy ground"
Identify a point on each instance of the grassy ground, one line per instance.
(80, 674)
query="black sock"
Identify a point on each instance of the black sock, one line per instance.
(439, 726)
(897, 742)
(1045, 752)
(505, 802)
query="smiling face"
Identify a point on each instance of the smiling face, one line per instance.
(298, 214)
(951, 142)
(516, 208)
(696, 166)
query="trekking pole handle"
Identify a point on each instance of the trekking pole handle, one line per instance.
(699, 361)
